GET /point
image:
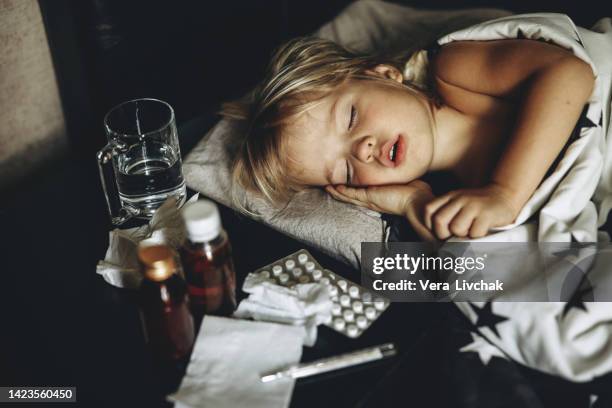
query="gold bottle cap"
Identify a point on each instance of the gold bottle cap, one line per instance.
(158, 262)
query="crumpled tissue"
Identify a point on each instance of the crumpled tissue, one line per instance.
(120, 265)
(228, 359)
(305, 304)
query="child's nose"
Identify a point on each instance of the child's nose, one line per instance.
(364, 148)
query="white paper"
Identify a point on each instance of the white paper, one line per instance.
(228, 359)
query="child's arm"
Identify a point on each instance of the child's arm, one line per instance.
(551, 87)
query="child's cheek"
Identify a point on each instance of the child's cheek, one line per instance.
(367, 177)
(359, 177)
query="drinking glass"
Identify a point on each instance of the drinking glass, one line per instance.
(140, 167)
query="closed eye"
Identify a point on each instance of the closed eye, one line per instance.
(348, 173)
(353, 117)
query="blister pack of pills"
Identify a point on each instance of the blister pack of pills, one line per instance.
(354, 307)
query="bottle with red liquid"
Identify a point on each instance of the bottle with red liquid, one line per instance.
(207, 262)
(164, 303)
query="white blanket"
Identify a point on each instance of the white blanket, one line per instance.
(573, 341)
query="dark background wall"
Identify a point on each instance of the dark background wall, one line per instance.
(192, 54)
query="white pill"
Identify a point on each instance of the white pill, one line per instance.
(333, 291)
(264, 274)
(302, 258)
(290, 264)
(277, 270)
(339, 324)
(304, 279)
(283, 278)
(370, 312)
(336, 309)
(296, 272)
(316, 274)
(379, 303)
(342, 283)
(345, 300)
(362, 322)
(366, 297)
(325, 281)
(348, 315)
(357, 306)
(354, 291)
(352, 330)
(310, 266)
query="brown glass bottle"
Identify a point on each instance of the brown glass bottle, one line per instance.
(207, 262)
(164, 302)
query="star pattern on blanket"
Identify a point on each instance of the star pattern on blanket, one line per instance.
(486, 318)
(578, 40)
(583, 122)
(575, 249)
(577, 300)
(577, 284)
(486, 351)
(520, 35)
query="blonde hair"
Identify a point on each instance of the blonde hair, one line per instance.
(301, 72)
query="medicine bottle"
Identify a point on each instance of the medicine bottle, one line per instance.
(207, 262)
(164, 303)
(159, 237)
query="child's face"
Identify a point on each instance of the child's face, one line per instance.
(364, 133)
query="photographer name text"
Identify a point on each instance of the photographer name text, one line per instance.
(426, 284)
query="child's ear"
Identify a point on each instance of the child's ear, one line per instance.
(386, 71)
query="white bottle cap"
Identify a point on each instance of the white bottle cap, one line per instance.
(202, 220)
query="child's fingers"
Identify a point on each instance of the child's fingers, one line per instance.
(443, 217)
(352, 192)
(480, 227)
(420, 228)
(341, 197)
(432, 207)
(338, 195)
(461, 223)
(333, 191)
(424, 233)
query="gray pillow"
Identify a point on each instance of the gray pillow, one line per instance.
(313, 217)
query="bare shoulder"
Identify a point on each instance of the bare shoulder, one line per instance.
(496, 68)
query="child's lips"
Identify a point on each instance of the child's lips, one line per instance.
(386, 152)
(399, 152)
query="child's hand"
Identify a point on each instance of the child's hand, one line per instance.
(470, 213)
(407, 200)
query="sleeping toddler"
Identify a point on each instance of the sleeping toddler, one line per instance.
(493, 114)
